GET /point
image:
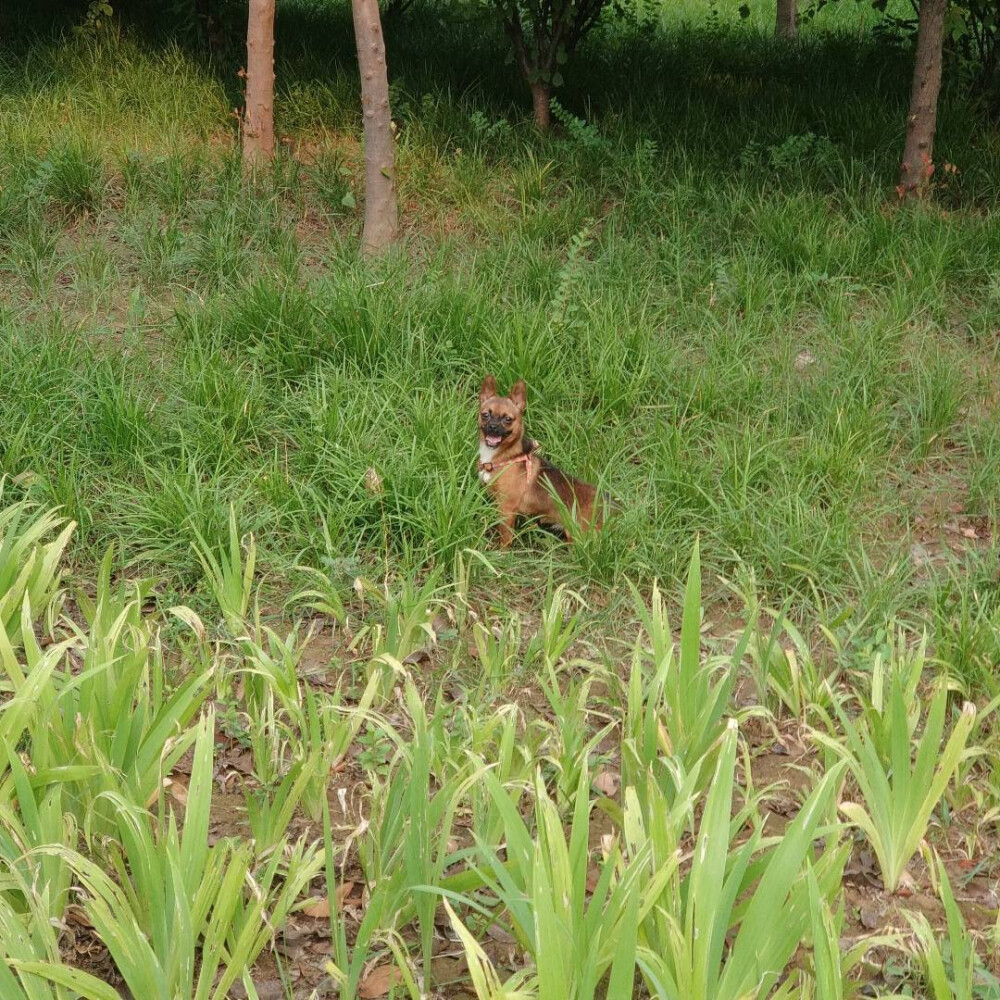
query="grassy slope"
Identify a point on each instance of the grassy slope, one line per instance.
(721, 315)
(719, 311)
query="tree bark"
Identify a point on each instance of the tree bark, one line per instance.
(786, 23)
(921, 123)
(541, 92)
(541, 101)
(258, 116)
(380, 170)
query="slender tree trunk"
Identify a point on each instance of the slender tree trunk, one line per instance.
(541, 92)
(213, 37)
(921, 122)
(541, 101)
(203, 12)
(786, 22)
(380, 170)
(258, 117)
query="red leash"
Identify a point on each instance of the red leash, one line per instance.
(491, 467)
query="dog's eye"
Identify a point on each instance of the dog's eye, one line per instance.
(485, 415)
(508, 420)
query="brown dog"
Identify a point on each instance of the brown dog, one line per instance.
(522, 482)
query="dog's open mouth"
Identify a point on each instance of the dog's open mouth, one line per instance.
(493, 440)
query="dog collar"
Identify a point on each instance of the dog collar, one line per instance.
(494, 466)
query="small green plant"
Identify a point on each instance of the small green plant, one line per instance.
(512, 751)
(683, 951)
(270, 809)
(406, 614)
(579, 130)
(805, 149)
(375, 751)
(274, 700)
(965, 619)
(73, 178)
(324, 597)
(229, 577)
(498, 650)
(112, 726)
(97, 19)
(485, 979)
(575, 938)
(326, 730)
(29, 686)
(687, 697)
(570, 737)
(405, 843)
(952, 969)
(29, 565)
(494, 134)
(332, 180)
(557, 630)
(33, 817)
(31, 968)
(896, 673)
(350, 959)
(565, 309)
(899, 796)
(184, 918)
(830, 965)
(785, 672)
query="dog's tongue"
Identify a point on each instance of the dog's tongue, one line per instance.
(492, 441)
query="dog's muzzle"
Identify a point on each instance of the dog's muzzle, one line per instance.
(494, 434)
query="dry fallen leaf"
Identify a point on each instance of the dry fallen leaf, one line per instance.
(77, 915)
(448, 969)
(292, 942)
(500, 933)
(607, 782)
(379, 981)
(871, 915)
(373, 481)
(319, 908)
(178, 791)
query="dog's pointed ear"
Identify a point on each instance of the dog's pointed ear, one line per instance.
(488, 389)
(519, 395)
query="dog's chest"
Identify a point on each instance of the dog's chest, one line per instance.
(485, 455)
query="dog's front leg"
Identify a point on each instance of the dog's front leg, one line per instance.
(507, 519)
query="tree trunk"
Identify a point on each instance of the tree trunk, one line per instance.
(786, 22)
(541, 101)
(258, 117)
(210, 28)
(380, 171)
(921, 123)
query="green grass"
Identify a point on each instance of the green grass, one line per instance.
(719, 311)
